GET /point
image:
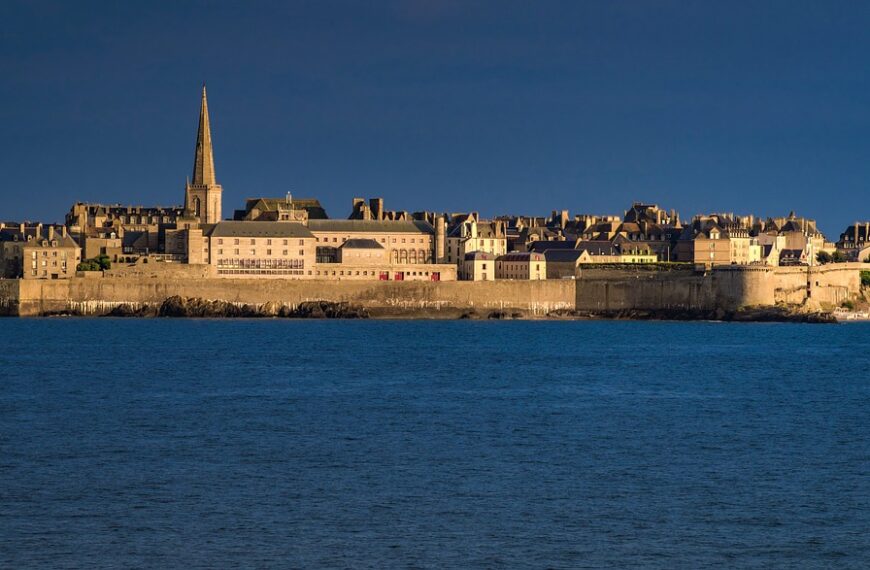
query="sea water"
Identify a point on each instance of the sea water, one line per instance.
(162, 443)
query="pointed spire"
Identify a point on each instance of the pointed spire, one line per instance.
(203, 160)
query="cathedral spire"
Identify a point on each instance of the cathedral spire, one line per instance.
(203, 160)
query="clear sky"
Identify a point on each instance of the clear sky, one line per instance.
(499, 107)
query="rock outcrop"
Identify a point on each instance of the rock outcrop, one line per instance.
(177, 306)
(776, 313)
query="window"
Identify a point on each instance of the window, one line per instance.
(253, 241)
(268, 251)
(284, 252)
(285, 242)
(253, 252)
(301, 242)
(301, 252)
(236, 241)
(220, 241)
(220, 252)
(268, 242)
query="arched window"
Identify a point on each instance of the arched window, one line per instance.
(421, 257)
(395, 256)
(403, 256)
(413, 257)
(196, 206)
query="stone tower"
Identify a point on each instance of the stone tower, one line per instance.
(202, 194)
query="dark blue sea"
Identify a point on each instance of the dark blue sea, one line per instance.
(163, 443)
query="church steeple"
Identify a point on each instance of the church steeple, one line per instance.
(202, 195)
(203, 160)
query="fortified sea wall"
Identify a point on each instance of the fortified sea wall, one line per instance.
(727, 288)
(596, 290)
(95, 296)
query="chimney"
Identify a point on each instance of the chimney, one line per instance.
(376, 205)
(63, 233)
(51, 233)
(440, 239)
(856, 233)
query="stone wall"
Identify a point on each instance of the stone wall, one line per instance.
(596, 290)
(729, 288)
(9, 296)
(384, 298)
(638, 288)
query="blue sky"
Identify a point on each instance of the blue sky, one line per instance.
(499, 107)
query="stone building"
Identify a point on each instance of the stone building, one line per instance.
(404, 242)
(645, 224)
(854, 243)
(287, 209)
(362, 251)
(521, 265)
(796, 233)
(720, 239)
(37, 252)
(262, 249)
(466, 233)
(478, 266)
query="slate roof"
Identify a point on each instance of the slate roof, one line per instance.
(372, 226)
(563, 255)
(361, 244)
(13, 234)
(522, 256)
(541, 246)
(478, 255)
(232, 228)
(602, 247)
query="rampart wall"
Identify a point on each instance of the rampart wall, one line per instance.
(90, 296)
(9, 296)
(596, 290)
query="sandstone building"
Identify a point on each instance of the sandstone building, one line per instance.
(37, 252)
(521, 265)
(478, 266)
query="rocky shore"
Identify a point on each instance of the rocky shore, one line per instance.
(183, 307)
(771, 314)
(195, 307)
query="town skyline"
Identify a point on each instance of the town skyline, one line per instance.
(336, 205)
(507, 110)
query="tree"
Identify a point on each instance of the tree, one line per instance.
(99, 263)
(838, 257)
(104, 262)
(823, 257)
